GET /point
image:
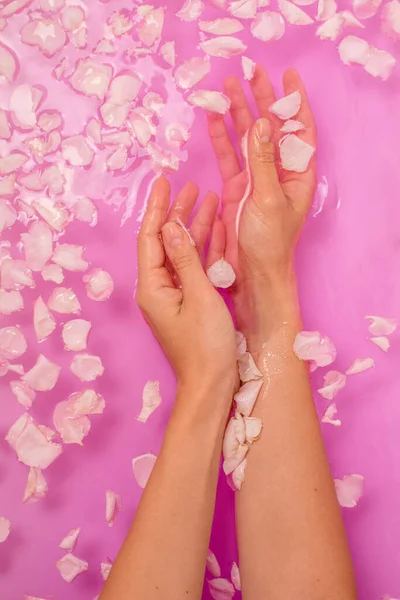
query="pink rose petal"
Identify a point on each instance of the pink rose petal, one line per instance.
(354, 50)
(38, 245)
(86, 402)
(234, 437)
(382, 342)
(5, 526)
(43, 321)
(349, 490)
(8, 63)
(293, 14)
(191, 10)
(87, 367)
(32, 445)
(70, 567)
(162, 159)
(249, 67)
(380, 63)
(36, 486)
(49, 120)
(91, 78)
(124, 89)
(221, 274)
(150, 28)
(253, 427)
(105, 568)
(43, 376)
(167, 51)
(241, 344)
(314, 347)
(8, 215)
(23, 393)
(224, 26)
(99, 285)
(391, 19)
(117, 159)
(5, 130)
(69, 542)
(64, 301)
(75, 334)
(85, 210)
(12, 162)
(212, 564)
(329, 416)
(153, 102)
(295, 154)
(53, 273)
(120, 23)
(221, 589)
(70, 257)
(10, 302)
(23, 103)
(235, 577)
(233, 461)
(248, 369)
(334, 381)
(151, 400)
(365, 9)
(73, 428)
(291, 126)
(247, 395)
(210, 100)
(238, 475)
(223, 46)
(12, 343)
(46, 34)
(382, 325)
(177, 134)
(360, 365)
(326, 9)
(142, 468)
(331, 28)
(54, 214)
(76, 151)
(72, 17)
(192, 71)
(7, 185)
(268, 26)
(244, 9)
(113, 506)
(287, 107)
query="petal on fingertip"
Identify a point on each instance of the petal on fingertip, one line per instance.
(221, 274)
(287, 107)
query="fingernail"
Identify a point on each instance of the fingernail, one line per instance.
(173, 235)
(263, 129)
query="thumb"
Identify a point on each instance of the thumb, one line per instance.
(262, 157)
(183, 255)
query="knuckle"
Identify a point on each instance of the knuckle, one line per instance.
(183, 262)
(266, 155)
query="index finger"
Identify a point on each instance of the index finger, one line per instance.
(150, 249)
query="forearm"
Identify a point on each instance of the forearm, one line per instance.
(165, 552)
(290, 532)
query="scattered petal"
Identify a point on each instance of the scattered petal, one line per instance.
(99, 285)
(91, 78)
(105, 568)
(192, 71)
(113, 506)
(75, 334)
(360, 365)
(167, 51)
(124, 89)
(43, 376)
(221, 589)
(43, 321)
(249, 67)
(233, 461)
(70, 257)
(221, 274)
(87, 402)
(291, 126)
(55, 215)
(8, 63)
(151, 400)
(23, 103)
(84, 210)
(382, 325)
(64, 301)
(53, 273)
(38, 245)
(295, 154)
(191, 10)
(8, 215)
(5, 526)
(223, 46)
(349, 490)
(69, 542)
(153, 102)
(46, 34)
(12, 343)
(331, 28)
(23, 393)
(268, 26)
(314, 347)
(32, 443)
(248, 369)
(354, 50)
(150, 28)
(36, 486)
(210, 100)
(142, 468)
(241, 344)
(247, 395)
(287, 107)
(76, 151)
(253, 427)
(329, 416)
(10, 302)
(224, 26)
(235, 577)
(212, 564)
(365, 9)
(87, 367)
(380, 63)
(177, 134)
(334, 381)
(244, 9)
(72, 427)
(12, 162)
(382, 342)
(293, 14)
(238, 476)
(70, 567)
(390, 19)
(326, 9)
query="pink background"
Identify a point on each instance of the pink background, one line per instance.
(348, 266)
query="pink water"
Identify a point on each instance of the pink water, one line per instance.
(348, 265)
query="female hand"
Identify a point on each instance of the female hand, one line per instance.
(190, 320)
(274, 214)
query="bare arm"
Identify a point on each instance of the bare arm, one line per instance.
(290, 533)
(164, 555)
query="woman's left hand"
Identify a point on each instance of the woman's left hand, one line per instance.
(185, 312)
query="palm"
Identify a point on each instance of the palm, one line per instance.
(296, 189)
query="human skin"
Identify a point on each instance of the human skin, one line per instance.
(290, 532)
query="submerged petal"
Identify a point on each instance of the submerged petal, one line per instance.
(221, 274)
(70, 567)
(142, 467)
(151, 400)
(349, 490)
